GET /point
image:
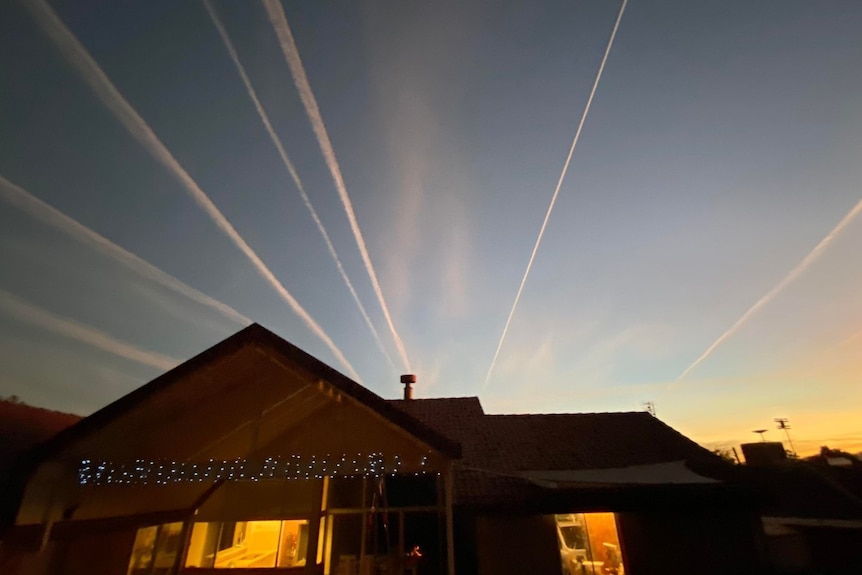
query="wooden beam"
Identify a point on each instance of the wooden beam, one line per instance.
(448, 478)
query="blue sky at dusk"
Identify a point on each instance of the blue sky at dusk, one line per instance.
(723, 145)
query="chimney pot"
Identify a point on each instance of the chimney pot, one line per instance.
(408, 379)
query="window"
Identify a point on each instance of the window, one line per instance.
(392, 524)
(155, 549)
(589, 544)
(248, 544)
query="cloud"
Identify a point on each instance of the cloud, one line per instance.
(788, 279)
(41, 211)
(291, 169)
(530, 364)
(297, 70)
(66, 327)
(90, 71)
(556, 192)
(455, 245)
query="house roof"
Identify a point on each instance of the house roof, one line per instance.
(165, 394)
(504, 454)
(22, 427)
(554, 441)
(498, 455)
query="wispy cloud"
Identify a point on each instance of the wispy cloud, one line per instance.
(39, 210)
(66, 327)
(291, 169)
(856, 337)
(797, 271)
(556, 191)
(95, 77)
(531, 364)
(404, 238)
(455, 259)
(291, 53)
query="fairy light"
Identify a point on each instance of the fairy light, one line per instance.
(299, 467)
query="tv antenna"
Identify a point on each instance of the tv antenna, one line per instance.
(784, 425)
(761, 432)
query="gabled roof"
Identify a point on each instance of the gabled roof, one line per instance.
(163, 389)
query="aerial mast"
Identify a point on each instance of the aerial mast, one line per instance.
(784, 425)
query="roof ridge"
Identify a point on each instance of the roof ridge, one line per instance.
(251, 335)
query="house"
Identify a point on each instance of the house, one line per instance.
(256, 457)
(811, 509)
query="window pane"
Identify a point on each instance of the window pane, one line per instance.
(604, 542)
(345, 492)
(202, 545)
(345, 543)
(167, 546)
(294, 543)
(141, 561)
(425, 543)
(412, 490)
(589, 544)
(248, 544)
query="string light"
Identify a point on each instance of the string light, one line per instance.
(163, 472)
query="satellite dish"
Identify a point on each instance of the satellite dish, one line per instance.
(761, 432)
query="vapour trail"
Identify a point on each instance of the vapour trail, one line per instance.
(66, 327)
(291, 53)
(276, 141)
(556, 190)
(798, 270)
(39, 210)
(99, 82)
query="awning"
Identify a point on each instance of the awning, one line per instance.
(671, 473)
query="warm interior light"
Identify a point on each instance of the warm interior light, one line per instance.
(589, 544)
(248, 544)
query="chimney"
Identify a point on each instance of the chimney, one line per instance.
(408, 379)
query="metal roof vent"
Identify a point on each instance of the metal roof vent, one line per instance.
(408, 379)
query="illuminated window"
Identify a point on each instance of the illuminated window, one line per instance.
(155, 549)
(589, 544)
(248, 544)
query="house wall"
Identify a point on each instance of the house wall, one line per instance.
(516, 545)
(706, 542)
(100, 553)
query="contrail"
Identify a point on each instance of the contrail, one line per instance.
(276, 141)
(26, 202)
(787, 280)
(556, 190)
(297, 70)
(99, 82)
(83, 333)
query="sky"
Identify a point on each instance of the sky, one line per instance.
(702, 254)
